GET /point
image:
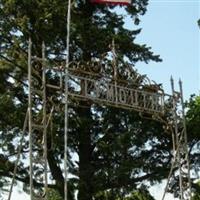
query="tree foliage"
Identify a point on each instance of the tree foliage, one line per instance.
(193, 127)
(196, 195)
(139, 194)
(53, 195)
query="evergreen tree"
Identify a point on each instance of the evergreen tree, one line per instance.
(193, 127)
(139, 194)
(117, 149)
(196, 195)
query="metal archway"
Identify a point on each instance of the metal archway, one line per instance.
(98, 82)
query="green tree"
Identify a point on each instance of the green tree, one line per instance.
(193, 127)
(197, 191)
(53, 195)
(116, 149)
(193, 117)
(139, 194)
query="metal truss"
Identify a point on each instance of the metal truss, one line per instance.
(180, 168)
(40, 117)
(100, 82)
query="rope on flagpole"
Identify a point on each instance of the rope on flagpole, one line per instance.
(66, 98)
(30, 120)
(44, 122)
(114, 66)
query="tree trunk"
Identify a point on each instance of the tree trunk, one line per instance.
(56, 172)
(85, 148)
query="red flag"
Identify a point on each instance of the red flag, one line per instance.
(118, 2)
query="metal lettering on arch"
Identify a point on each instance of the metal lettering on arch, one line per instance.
(105, 91)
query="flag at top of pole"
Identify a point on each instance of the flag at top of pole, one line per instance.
(117, 2)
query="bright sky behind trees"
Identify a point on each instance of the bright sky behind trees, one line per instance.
(171, 29)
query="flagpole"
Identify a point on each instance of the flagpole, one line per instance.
(66, 99)
(114, 67)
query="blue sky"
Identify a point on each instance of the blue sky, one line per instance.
(170, 28)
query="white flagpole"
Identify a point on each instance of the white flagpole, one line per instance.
(66, 98)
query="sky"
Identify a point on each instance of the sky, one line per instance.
(170, 28)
